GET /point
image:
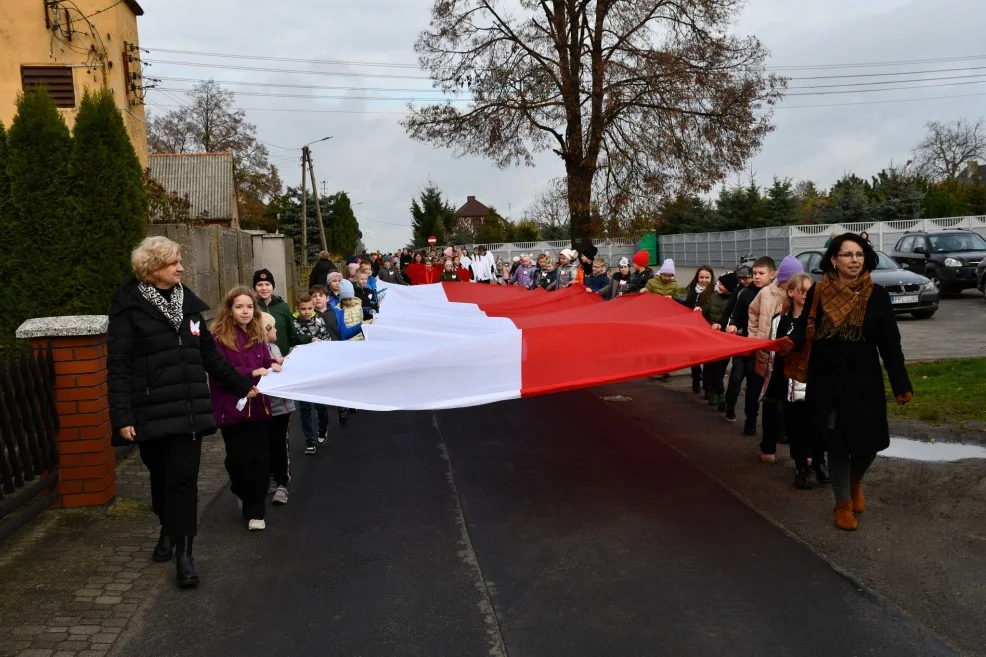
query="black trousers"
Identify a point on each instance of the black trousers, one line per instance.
(279, 449)
(697, 375)
(744, 369)
(173, 464)
(801, 437)
(248, 464)
(712, 377)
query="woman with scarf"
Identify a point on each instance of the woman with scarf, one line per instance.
(839, 341)
(699, 291)
(160, 350)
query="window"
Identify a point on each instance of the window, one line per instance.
(905, 244)
(805, 259)
(57, 79)
(951, 242)
(815, 264)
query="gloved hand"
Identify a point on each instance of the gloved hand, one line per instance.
(905, 398)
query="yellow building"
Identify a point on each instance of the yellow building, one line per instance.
(69, 46)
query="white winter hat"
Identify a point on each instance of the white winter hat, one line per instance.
(667, 267)
(568, 253)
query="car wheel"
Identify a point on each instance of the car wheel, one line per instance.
(924, 314)
(936, 279)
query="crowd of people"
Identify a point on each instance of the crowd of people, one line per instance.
(820, 390)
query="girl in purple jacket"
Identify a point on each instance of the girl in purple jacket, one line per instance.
(240, 339)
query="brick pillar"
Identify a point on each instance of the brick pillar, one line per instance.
(87, 461)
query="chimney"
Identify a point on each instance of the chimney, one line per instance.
(470, 198)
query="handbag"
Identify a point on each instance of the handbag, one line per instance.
(796, 362)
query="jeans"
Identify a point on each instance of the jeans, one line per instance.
(321, 411)
(744, 369)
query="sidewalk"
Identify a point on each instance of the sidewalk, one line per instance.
(72, 579)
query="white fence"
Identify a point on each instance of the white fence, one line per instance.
(612, 250)
(727, 248)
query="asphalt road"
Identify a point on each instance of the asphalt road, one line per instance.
(541, 527)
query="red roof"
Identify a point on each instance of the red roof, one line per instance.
(472, 209)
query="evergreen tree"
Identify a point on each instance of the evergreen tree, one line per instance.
(848, 201)
(740, 207)
(493, 230)
(343, 228)
(4, 179)
(108, 202)
(39, 244)
(686, 213)
(431, 215)
(780, 204)
(894, 195)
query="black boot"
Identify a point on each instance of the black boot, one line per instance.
(164, 549)
(187, 577)
(821, 473)
(802, 479)
(343, 417)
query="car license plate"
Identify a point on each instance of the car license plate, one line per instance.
(906, 299)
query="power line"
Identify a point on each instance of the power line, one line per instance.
(306, 111)
(323, 97)
(814, 67)
(881, 75)
(863, 91)
(881, 102)
(870, 84)
(283, 59)
(302, 86)
(289, 70)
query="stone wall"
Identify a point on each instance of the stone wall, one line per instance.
(217, 259)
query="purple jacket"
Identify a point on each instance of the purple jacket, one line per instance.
(244, 360)
(523, 276)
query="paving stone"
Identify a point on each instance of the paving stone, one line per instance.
(115, 622)
(65, 620)
(73, 644)
(116, 586)
(102, 638)
(84, 629)
(33, 652)
(28, 629)
(87, 593)
(108, 599)
(64, 653)
(92, 653)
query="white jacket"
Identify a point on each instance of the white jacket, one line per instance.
(795, 389)
(482, 267)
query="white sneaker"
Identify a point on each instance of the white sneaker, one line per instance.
(256, 524)
(280, 496)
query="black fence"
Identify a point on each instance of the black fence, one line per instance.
(28, 425)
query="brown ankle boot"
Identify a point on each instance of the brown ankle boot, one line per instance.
(858, 501)
(844, 519)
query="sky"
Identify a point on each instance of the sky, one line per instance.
(816, 137)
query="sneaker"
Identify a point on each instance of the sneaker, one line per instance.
(343, 417)
(713, 399)
(280, 496)
(271, 486)
(310, 450)
(730, 415)
(322, 436)
(768, 458)
(256, 524)
(802, 480)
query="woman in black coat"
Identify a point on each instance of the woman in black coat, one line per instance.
(160, 350)
(848, 326)
(320, 272)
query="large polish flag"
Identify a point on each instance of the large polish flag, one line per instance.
(451, 345)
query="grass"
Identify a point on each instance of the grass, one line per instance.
(945, 392)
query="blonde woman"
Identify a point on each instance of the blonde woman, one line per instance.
(160, 351)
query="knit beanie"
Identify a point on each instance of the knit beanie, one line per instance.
(641, 258)
(263, 276)
(347, 291)
(729, 281)
(387, 259)
(353, 268)
(334, 276)
(667, 267)
(624, 262)
(789, 267)
(744, 271)
(351, 259)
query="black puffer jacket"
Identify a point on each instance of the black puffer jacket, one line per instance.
(157, 376)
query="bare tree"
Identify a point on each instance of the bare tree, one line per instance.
(655, 95)
(549, 210)
(948, 147)
(210, 123)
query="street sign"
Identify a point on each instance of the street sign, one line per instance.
(432, 241)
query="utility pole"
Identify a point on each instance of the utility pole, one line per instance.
(318, 205)
(304, 210)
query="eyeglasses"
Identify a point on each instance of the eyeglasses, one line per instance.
(859, 255)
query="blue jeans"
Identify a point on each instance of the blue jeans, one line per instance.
(322, 411)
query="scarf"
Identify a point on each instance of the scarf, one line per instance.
(844, 306)
(172, 310)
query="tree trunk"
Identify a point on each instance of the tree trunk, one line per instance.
(580, 202)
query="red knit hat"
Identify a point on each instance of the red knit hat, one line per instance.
(641, 258)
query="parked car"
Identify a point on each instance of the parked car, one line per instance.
(910, 293)
(948, 257)
(981, 277)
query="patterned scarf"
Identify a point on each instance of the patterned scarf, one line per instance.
(170, 309)
(844, 306)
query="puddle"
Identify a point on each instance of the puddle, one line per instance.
(916, 450)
